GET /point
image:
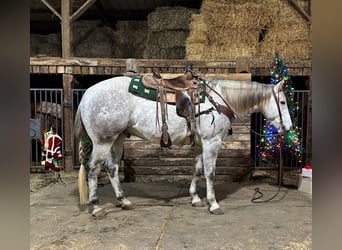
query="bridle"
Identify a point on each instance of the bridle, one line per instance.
(278, 107)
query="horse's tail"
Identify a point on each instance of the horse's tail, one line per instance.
(80, 133)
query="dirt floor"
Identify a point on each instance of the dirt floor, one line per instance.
(163, 217)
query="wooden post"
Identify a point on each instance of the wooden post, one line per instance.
(66, 28)
(66, 8)
(68, 122)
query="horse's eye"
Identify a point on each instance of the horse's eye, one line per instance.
(282, 102)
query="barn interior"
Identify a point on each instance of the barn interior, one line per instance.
(216, 36)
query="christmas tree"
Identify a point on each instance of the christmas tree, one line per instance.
(271, 142)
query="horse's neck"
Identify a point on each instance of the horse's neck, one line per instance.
(244, 97)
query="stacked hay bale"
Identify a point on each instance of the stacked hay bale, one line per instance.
(228, 29)
(90, 39)
(287, 34)
(197, 41)
(168, 28)
(46, 45)
(130, 39)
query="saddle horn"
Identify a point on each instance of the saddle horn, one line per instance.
(156, 73)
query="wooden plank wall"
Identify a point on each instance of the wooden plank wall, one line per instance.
(145, 161)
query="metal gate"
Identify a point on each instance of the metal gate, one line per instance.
(47, 107)
(301, 98)
(76, 98)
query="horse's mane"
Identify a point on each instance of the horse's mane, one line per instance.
(242, 96)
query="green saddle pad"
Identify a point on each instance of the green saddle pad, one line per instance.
(137, 88)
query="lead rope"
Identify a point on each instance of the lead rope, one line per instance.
(255, 198)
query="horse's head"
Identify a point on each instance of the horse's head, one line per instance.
(276, 111)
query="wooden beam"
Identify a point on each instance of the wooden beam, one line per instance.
(295, 5)
(52, 9)
(81, 10)
(66, 28)
(208, 76)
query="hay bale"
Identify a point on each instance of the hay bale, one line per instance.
(159, 44)
(219, 52)
(83, 29)
(236, 28)
(165, 53)
(250, 15)
(131, 25)
(198, 30)
(170, 18)
(197, 40)
(99, 49)
(49, 49)
(167, 39)
(55, 38)
(36, 39)
(130, 37)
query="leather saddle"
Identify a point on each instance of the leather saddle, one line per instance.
(187, 89)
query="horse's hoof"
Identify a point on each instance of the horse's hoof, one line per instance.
(98, 212)
(126, 206)
(198, 204)
(217, 211)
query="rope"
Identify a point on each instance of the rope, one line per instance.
(255, 198)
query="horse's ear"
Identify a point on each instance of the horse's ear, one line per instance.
(280, 84)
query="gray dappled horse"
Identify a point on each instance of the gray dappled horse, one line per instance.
(108, 112)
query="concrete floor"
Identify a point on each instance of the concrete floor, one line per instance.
(163, 218)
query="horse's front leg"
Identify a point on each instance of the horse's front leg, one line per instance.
(196, 171)
(115, 181)
(210, 152)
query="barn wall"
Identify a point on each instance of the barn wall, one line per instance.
(145, 161)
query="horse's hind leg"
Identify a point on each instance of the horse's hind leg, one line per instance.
(98, 157)
(197, 170)
(112, 167)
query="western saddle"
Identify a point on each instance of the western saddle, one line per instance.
(187, 89)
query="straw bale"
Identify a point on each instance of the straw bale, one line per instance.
(291, 41)
(223, 36)
(98, 49)
(194, 57)
(195, 49)
(229, 52)
(247, 15)
(170, 18)
(198, 30)
(294, 50)
(233, 28)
